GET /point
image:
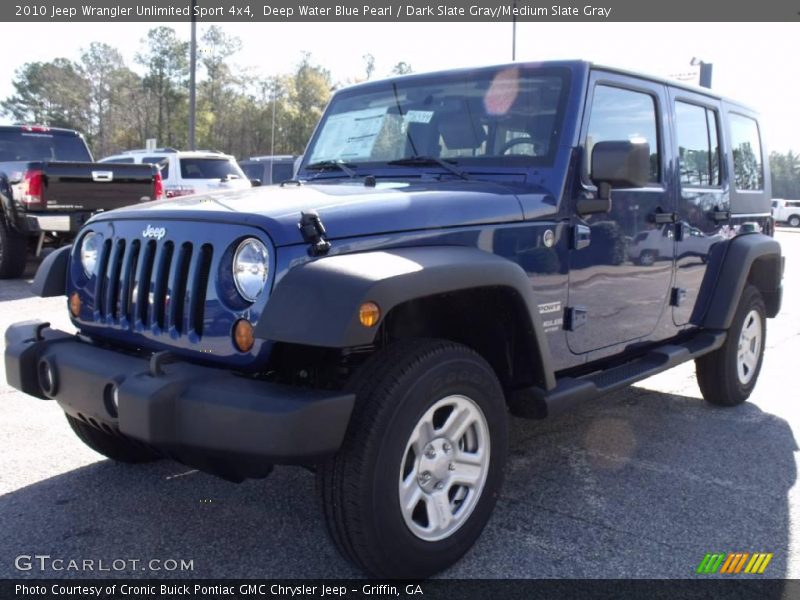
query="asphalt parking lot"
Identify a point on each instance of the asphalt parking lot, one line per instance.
(641, 483)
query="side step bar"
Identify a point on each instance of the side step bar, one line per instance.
(535, 403)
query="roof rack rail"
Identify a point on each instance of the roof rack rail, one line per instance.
(140, 150)
(274, 157)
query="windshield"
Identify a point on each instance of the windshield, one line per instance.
(33, 146)
(470, 118)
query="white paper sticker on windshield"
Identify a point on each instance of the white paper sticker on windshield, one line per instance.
(349, 136)
(418, 116)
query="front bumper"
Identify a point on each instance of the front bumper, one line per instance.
(209, 418)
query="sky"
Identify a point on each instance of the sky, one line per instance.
(754, 63)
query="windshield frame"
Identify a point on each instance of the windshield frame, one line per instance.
(472, 164)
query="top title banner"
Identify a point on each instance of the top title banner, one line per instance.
(220, 11)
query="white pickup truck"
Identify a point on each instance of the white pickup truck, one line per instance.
(786, 211)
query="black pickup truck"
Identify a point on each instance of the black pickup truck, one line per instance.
(50, 186)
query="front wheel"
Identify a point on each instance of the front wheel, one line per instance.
(728, 375)
(421, 465)
(648, 258)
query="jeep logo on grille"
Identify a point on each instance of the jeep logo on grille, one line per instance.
(154, 232)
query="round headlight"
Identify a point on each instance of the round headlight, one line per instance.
(250, 268)
(90, 247)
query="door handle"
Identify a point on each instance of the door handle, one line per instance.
(102, 175)
(661, 217)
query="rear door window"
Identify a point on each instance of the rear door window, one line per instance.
(698, 145)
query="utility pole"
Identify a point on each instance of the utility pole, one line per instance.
(272, 131)
(514, 33)
(192, 79)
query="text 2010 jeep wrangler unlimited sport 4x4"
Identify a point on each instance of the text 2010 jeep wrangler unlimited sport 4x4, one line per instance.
(458, 245)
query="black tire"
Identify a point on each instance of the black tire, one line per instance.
(114, 447)
(359, 486)
(794, 221)
(648, 258)
(13, 252)
(718, 372)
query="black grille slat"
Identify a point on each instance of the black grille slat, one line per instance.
(197, 294)
(126, 308)
(112, 284)
(178, 277)
(100, 278)
(157, 308)
(144, 285)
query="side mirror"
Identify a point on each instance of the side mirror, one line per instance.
(255, 182)
(615, 164)
(620, 164)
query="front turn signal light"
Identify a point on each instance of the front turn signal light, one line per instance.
(368, 314)
(75, 304)
(243, 335)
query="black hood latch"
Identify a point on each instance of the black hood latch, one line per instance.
(313, 232)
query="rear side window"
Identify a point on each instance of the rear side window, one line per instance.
(253, 170)
(624, 115)
(282, 171)
(32, 146)
(698, 144)
(162, 162)
(209, 168)
(748, 170)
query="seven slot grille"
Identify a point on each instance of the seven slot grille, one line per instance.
(151, 285)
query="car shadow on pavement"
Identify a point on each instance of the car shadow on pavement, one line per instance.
(643, 484)
(636, 484)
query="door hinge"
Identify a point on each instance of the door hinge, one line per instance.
(677, 296)
(575, 317)
(581, 237)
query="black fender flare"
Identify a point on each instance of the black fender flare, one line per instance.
(316, 304)
(51, 276)
(729, 272)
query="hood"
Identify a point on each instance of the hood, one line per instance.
(350, 209)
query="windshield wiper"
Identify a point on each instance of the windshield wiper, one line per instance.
(325, 165)
(429, 160)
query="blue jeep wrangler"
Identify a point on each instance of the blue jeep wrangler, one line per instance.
(457, 246)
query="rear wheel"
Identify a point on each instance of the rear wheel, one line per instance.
(794, 220)
(422, 462)
(13, 252)
(727, 376)
(111, 446)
